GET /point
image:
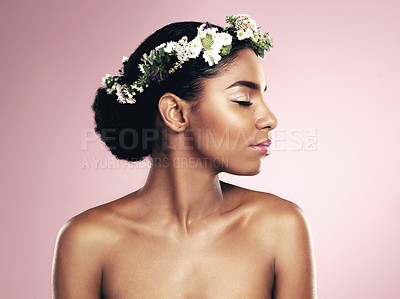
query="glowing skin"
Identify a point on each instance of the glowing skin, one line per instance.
(234, 113)
(185, 233)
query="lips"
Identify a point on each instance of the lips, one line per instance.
(264, 143)
(263, 147)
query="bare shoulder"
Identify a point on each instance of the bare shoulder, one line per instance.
(82, 248)
(82, 244)
(89, 227)
(269, 210)
(282, 227)
(98, 227)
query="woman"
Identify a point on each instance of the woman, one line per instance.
(191, 98)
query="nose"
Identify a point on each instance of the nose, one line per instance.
(266, 119)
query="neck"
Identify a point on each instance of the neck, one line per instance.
(183, 189)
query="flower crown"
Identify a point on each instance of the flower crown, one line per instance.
(167, 58)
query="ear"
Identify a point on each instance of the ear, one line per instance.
(174, 112)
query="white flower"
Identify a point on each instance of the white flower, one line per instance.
(208, 58)
(244, 22)
(169, 47)
(216, 58)
(141, 68)
(242, 15)
(106, 78)
(195, 47)
(121, 94)
(226, 38)
(211, 57)
(121, 100)
(118, 88)
(124, 59)
(183, 41)
(212, 31)
(220, 40)
(130, 100)
(201, 32)
(160, 46)
(138, 88)
(241, 34)
(253, 25)
(216, 46)
(111, 89)
(183, 49)
(249, 33)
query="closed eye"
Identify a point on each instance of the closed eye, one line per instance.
(243, 103)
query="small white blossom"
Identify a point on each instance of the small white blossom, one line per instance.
(183, 49)
(249, 33)
(201, 32)
(253, 25)
(208, 58)
(121, 94)
(242, 21)
(241, 15)
(211, 57)
(216, 47)
(241, 34)
(212, 31)
(124, 59)
(220, 40)
(160, 46)
(130, 100)
(195, 47)
(169, 47)
(106, 78)
(138, 88)
(141, 68)
(216, 58)
(226, 38)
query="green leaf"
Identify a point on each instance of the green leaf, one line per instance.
(226, 50)
(207, 42)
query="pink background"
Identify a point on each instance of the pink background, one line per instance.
(332, 81)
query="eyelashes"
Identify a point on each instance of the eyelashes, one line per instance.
(244, 103)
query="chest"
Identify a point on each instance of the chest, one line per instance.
(226, 267)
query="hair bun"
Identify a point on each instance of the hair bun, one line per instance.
(123, 127)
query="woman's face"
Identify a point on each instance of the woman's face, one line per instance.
(232, 117)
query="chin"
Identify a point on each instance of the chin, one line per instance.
(245, 169)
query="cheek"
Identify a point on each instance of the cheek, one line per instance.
(223, 137)
(221, 132)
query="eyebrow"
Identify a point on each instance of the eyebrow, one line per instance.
(248, 84)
